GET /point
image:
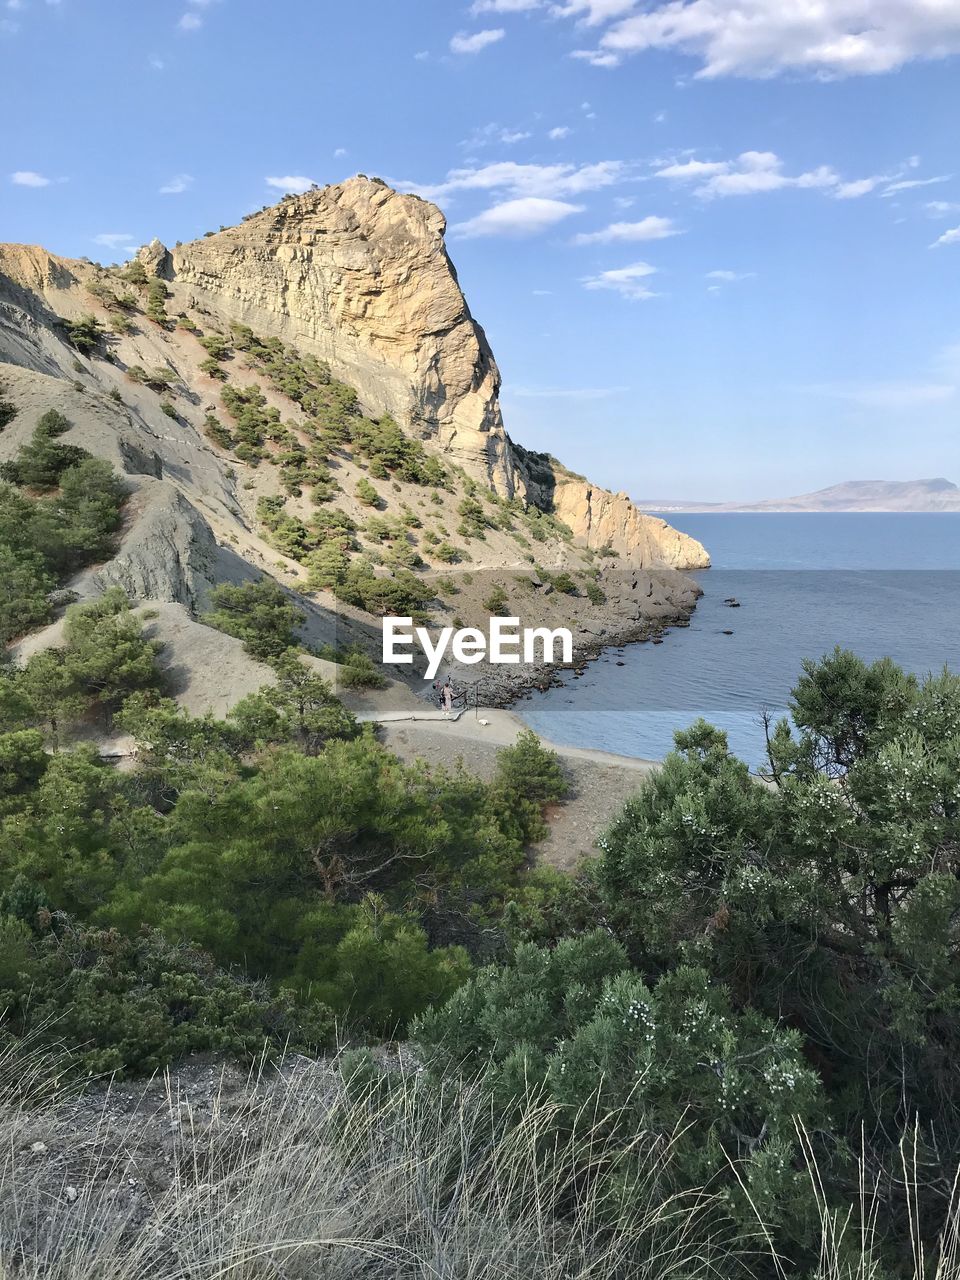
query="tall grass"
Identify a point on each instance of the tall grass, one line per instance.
(291, 1173)
(301, 1176)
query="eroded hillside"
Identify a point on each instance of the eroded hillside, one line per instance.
(307, 395)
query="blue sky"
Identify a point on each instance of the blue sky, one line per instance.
(715, 243)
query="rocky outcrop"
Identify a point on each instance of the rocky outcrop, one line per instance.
(168, 553)
(359, 275)
(602, 519)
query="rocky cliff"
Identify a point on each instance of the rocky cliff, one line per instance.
(353, 284)
(359, 274)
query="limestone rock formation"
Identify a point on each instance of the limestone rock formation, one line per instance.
(602, 519)
(359, 275)
(355, 274)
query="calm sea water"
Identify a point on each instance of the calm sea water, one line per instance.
(882, 585)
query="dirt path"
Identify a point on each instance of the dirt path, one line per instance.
(600, 782)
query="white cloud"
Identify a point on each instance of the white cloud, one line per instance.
(340, 151)
(473, 43)
(421, 55)
(754, 172)
(596, 57)
(177, 185)
(859, 187)
(949, 237)
(722, 278)
(762, 38)
(651, 228)
(548, 180)
(190, 22)
(295, 183)
(627, 281)
(156, 63)
(593, 12)
(27, 178)
(505, 6)
(909, 184)
(525, 216)
(510, 136)
(117, 242)
(559, 133)
(941, 208)
(686, 169)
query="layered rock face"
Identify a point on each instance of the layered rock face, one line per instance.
(599, 518)
(358, 274)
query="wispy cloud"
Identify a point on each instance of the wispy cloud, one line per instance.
(522, 217)
(177, 185)
(730, 277)
(296, 184)
(593, 12)
(949, 237)
(28, 178)
(763, 38)
(117, 242)
(908, 184)
(505, 6)
(755, 172)
(629, 282)
(190, 22)
(650, 228)
(475, 41)
(559, 133)
(553, 181)
(941, 208)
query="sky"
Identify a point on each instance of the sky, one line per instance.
(715, 244)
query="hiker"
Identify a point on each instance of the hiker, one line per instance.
(446, 694)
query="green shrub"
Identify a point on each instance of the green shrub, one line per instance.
(670, 1059)
(258, 613)
(132, 1005)
(496, 601)
(367, 494)
(86, 334)
(8, 411)
(135, 273)
(358, 671)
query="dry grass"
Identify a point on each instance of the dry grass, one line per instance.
(289, 1174)
(279, 1180)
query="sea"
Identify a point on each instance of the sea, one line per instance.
(883, 585)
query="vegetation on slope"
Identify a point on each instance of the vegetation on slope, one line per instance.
(59, 510)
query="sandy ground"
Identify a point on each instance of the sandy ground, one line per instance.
(600, 782)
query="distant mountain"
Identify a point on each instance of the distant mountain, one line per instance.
(854, 495)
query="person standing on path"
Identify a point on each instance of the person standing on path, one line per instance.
(446, 694)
